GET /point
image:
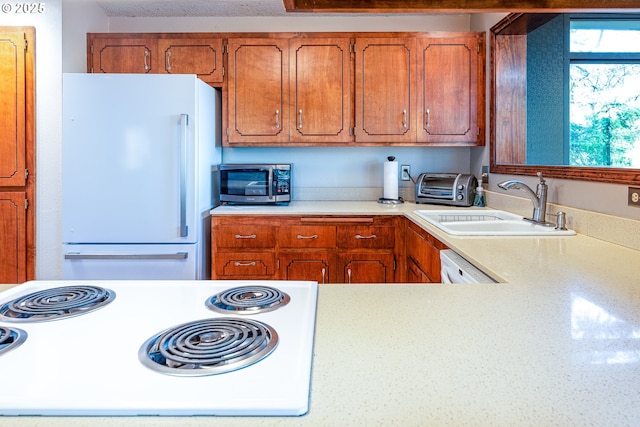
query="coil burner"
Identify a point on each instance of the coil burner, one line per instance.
(208, 347)
(56, 303)
(11, 338)
(248, 300)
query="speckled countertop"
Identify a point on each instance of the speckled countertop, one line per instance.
(558, 343)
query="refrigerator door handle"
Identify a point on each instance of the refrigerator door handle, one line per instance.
(80, 256)
(184, 122)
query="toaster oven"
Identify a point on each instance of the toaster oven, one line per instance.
(455, 189)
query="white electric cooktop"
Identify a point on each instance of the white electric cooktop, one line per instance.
(93, 362)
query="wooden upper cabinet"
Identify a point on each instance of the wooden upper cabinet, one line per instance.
(448, 98)
(12, 109)
(321, 102)
(123, 55)
(385, 95)
(258, 90)
(193, 56)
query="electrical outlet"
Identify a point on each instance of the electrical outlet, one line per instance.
(405, 172)
(634, 197)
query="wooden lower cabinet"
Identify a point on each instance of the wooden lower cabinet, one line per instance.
(245, 265)
(366, 267)
(326, 249)
(415, 273)
(316, 265)
(422, 255)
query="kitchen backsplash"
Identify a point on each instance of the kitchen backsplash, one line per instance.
(348, 193)
(614, 229)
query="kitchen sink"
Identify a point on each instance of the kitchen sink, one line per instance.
(487, 222)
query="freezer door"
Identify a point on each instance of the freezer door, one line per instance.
(129, 158)
(130, 262)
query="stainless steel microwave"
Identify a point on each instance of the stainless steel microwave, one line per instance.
(255, 184)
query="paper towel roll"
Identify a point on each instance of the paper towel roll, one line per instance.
(390, 180)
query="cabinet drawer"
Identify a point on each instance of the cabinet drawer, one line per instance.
(245, 236)
(245, 264)
(308, 236)
(366, 237)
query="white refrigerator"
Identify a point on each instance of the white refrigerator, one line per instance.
(140, 154)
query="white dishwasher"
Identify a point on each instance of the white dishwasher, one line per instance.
(456, 269)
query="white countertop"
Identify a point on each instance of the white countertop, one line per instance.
(558, 343)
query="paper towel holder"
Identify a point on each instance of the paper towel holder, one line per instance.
(391, 201)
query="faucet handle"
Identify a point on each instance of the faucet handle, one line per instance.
(542, 181)
(561, 223)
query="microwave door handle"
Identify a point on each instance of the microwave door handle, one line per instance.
(184, 122)
(271, 183)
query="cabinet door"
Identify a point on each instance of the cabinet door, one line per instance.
(321, 106)
(258, 91)
(375, 267)
(12, 109)
(415, 273)
(423, 250)
(13, 262)
(385, 95)
(317, 266)
(123, 55)
(448, 90)
(193, 56)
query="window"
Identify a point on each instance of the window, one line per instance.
(604, 92)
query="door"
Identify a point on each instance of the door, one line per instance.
(129, 158)
(12, 109)
(17, 154)
(317, 266)
(375, 267)
(123, 55)
(385, 96)
(448, 99)
(258, 91)
(321, 106)
(193, 56)
(13, 262)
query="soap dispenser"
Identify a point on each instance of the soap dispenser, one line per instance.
(479, 199)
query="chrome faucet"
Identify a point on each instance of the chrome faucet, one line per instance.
(539, 198)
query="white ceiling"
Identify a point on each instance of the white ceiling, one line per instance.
(190, 8)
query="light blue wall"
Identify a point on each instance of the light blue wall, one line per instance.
(322, 167)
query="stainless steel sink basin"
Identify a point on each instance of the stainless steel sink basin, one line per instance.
(487, 222)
